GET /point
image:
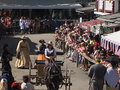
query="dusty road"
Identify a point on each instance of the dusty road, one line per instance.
(79, 78)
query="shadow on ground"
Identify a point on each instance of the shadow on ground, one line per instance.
(13, 41)
(60, 53)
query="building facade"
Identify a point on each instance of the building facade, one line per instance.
(108, 6)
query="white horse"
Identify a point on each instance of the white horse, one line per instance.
(3, 84)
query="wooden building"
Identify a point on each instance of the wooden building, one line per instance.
(39, 8)
(108, 6)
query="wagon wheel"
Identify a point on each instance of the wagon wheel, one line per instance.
(68, 80)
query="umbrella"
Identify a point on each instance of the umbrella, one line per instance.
(114, 59)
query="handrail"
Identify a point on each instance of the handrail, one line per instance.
(87, 57)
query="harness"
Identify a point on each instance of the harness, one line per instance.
(53, 74)
(50, 54)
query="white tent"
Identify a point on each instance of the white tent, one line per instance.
(111, 42)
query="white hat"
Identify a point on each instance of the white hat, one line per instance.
(50, 43)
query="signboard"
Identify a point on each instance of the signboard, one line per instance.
(108, 5)
(100, 5)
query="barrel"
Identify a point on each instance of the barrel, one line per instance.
(41, 57)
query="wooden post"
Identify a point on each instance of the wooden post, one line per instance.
(30, 13)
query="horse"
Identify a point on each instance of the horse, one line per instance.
(53, 76)
(3, 84)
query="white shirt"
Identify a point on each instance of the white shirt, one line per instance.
(112, 77)
(27, 24)
(50, 51)
(22, 23)
(27, 86)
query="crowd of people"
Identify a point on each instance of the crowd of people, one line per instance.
(78, 44)
(5, 25)
(7, 84)
(26, 25)
(74, 41)
(23, 25)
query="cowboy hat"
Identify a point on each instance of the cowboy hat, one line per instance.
(50, 43)
(42, 41)
(114, 58)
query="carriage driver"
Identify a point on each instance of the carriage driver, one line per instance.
(50, 52)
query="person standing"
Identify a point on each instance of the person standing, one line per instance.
(23, 58)
(22, 24)
(42, 46)
(27, 25)
(15, 86)
(112, 76)
(6, 58)
(96, 74)
(6, 67)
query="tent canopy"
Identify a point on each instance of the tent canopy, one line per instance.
(113, 37)
(39, 4)
(111, 42)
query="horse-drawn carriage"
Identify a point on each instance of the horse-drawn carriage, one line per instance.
(51, 73)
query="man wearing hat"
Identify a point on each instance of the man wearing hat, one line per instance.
(42, 47)
(96, 74)
(23, 49)
(50, 52)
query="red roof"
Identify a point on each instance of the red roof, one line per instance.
(93, 22)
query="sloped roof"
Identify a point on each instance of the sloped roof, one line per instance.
(92, 22)
(39, 4)
(90, 7)
(111, 18)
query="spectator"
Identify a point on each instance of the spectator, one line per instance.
(96, 74)
(9, 79)
(112, 76)
(16, 86)
(22, 24)
(3, 84)
(27, 25)
(84, 60)
(26, 85)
